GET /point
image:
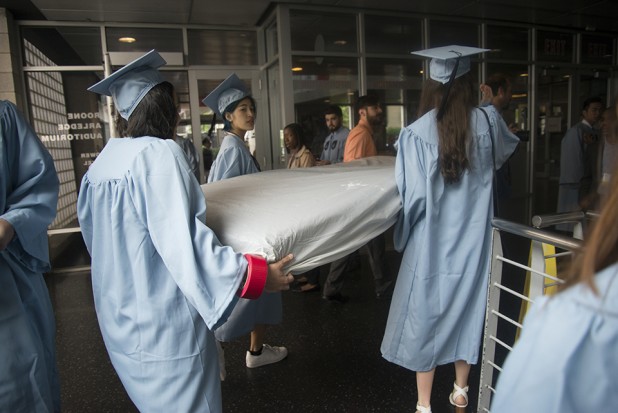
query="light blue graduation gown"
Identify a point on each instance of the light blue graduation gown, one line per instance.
(28, 199)
(438, 306)
(161, 279)
(234, 159)
(566, 360)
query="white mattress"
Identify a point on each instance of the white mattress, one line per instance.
(319, 214)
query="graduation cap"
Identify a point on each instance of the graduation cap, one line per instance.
(447, 64)
(132, 82)
(229, 91)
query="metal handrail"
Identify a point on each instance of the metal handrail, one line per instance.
(561, 241)
(495, 289)
(542, 221)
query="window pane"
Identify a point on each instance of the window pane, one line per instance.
(445, 33)
(597, 49)
(321, 32)
(513, 176)
(554, 46)
(272, 41)
(398, 84)
(387, 34)
(181, 87)
(507, 42)
(323, 81)
(222, 47)
(144, 40)
(65, 46)
(73, 126)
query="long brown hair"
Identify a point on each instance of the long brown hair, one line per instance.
(601, 245)
(453, 128)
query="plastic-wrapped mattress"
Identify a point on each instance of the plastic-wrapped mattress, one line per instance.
(319, 214)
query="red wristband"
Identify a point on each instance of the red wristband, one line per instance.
(257, 271)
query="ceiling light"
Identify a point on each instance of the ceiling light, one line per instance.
(297, 69)
(127, 40)
(523, 75)
(340, 42)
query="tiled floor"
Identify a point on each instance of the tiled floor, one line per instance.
(334, 363)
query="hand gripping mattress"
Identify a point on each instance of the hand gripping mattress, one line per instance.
(319, 214)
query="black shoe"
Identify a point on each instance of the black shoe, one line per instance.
(337, 298)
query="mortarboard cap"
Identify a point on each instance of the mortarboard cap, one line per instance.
(229, 91)
(129, 84)
(447, 64)
(445, 58)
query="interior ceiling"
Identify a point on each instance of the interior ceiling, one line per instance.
(592, 15)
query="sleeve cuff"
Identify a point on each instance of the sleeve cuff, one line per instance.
(257, 270)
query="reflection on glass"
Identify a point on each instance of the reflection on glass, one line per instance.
(272, 41)
(71, 123)
(222, 47)
(323, 32)
(510, 85)
(597, 49)
(321, 82)
(65, 46)
(552, 108)
(507, 42)
(164, 40)
(444, 33)
(392, 35)
(397, 83)
(181, 87)
(554, 46)
(276, 126)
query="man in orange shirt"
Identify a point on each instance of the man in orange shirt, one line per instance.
(360, 139)
(360, 144)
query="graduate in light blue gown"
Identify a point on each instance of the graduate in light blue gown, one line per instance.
(444, 170)
(232, 102)
(566, 359)
(161, 280)
(28, 199)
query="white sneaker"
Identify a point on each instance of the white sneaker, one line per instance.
(269, 355)
(221, 354)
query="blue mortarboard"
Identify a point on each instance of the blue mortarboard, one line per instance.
(444, 59)
(447, 64)
(131, 83)
(229, 91)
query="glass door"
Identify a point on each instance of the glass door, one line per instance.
(560, 95)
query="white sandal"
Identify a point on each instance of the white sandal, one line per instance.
(458, 391)
(423, 409)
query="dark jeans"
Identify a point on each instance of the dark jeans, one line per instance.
(376, 249)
